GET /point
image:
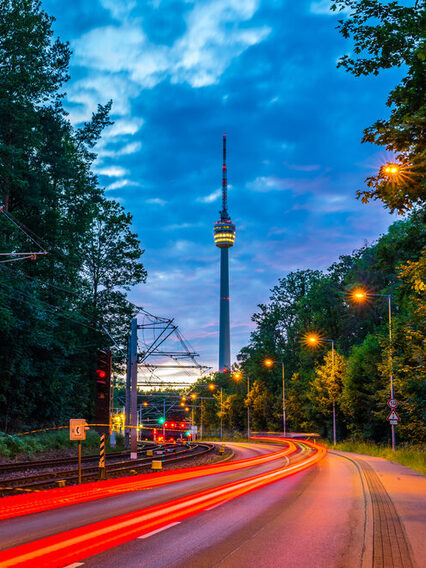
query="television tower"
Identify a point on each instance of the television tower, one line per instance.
(224, 237)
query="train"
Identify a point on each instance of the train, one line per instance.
(170, 431)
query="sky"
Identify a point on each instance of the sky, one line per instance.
(183, 72)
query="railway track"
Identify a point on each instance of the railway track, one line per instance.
(58, 462)
(37, 482)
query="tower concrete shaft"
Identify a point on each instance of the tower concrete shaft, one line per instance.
(224, 237)
(224, 320)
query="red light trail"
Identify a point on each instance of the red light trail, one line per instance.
(19, 505)
(60, 549)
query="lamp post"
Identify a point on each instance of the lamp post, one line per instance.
(221, 413)
(313, 340)
(269, 363)
(193, 396)
(360, 295)
(239, 376)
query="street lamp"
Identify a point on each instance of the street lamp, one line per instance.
(391, 169)
(359, 295)
(269, 363)
(237, 376)
(313, 339)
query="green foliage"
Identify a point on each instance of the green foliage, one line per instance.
(386, 35)
(327, 384)
(412, 456)
(311, 300)
(12, 445)
(54, 310)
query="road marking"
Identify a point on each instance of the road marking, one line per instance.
(159, 530)
(218, 505)
(75, 565)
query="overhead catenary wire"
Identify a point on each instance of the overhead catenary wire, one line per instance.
(22, 255)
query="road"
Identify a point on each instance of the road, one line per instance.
(338, 513)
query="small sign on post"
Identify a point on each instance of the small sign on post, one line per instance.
(392, 403)
(78, 427)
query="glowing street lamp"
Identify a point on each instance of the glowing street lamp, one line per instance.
(391, 169)
(313, 339)
(270, 363)
(359, 295)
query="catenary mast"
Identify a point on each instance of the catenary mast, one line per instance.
(224, 237)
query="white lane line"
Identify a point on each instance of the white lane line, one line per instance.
(75, 565)
(159, 530)
(218, 505)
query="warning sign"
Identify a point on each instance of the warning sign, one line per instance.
(393, 416)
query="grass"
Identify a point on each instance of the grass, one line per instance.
(410, 456)
(28, 445)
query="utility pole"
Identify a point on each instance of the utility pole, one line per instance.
(134, 389)
(164, 416)
(221, 413)
(127, 405)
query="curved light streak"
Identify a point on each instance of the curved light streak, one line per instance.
(58, 550)
(20, 505)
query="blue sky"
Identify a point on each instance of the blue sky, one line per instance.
(183, 72)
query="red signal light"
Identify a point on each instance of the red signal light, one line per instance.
(101, 374)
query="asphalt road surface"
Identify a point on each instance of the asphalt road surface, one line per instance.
(347, 511)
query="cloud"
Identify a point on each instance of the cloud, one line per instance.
(121, 183)
(156, 201)
(113, 171)
(267, 183)
(211, 197)
(119, 9)
(126, 150)
(124, 127)
(212, 39)
(322, 7)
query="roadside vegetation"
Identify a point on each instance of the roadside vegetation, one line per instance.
(410, 456)
(34, 446)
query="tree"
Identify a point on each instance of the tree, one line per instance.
(365, 391)
(386, 35)
(326, 387)
(51, 328)
(111, 265)
(409, 353)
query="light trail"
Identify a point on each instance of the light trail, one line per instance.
(59, 550)
(20, 505)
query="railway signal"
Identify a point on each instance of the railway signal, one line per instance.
(103, 391)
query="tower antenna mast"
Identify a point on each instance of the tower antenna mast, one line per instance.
(224, 213)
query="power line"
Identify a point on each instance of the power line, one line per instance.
(22, 255)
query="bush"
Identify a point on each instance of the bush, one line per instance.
(410, 456)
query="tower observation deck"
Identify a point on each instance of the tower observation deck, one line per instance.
(224, 237)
